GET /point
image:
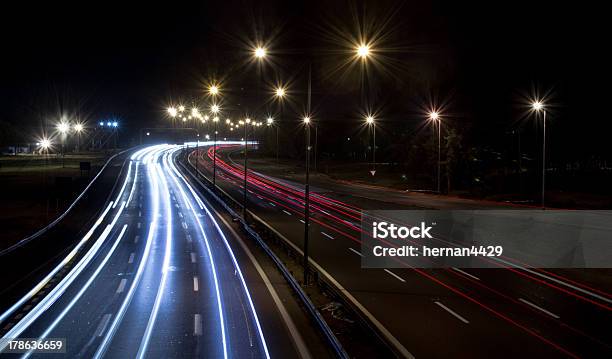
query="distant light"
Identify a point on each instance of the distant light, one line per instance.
(195, 112)
(181, 108)
(78, 127)
(280, 92)
(370, 120)
(108, 124)
(207, 137)
(227, 120)
(248, 120)
(213, 90)
(260, 52)
(63, 127)
(214, 108)
(434, 115)
(363, 51)
(172, 111)
(537, 105)
(270, 121)
(148, 133)
(45, 143)
(115, 124)
(216, 119)
(206, 117)
(306, 119)
(101, 123)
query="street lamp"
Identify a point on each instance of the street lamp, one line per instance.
(279, 94)
(246, 123)
(307, 120)
(434, 116)
(538, 106)
(260, 52)
(78, 128)
(213, 90)
(63, 128)
(215, 110)
(370, 121)
(363, 51)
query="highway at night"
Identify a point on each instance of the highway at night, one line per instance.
(159, 278)
(474, 311)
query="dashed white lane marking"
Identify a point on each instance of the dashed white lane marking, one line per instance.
(188, 238)
(193, 257)
(139, 214)
(287, 213)
(176, 205)
(272, 204)
(180, 214)
(325, 212)
(327, 235)
(260, 197)
(196, 284)
(396, 276)
(138, 225)
(301, 220)
(184, 224)
(539, 308)
(102, 326)
(465, 273)
(121, 286)
(453, 313)
(136, 239)
(197, 324)
(131, 260)
(356, 252)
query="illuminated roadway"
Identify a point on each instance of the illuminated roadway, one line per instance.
(443, 313)
(155, 276)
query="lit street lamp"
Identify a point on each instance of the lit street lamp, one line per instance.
(78, 128)
(537, 106)
(63, 128)
(370, 121)
(434, 116)
(246, 123)
(363, 51)
(215, 110)
(279, 94)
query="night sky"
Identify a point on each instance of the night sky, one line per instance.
(103, 59)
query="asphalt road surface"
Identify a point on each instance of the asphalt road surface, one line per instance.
(157, 274)
(441, 313)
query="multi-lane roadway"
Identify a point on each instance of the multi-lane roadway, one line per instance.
(454, 312)
(157, 274)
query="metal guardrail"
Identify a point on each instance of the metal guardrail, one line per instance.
(312, 310)
(43, 230)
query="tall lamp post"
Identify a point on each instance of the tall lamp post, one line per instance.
(246, 124)
(63, 128)
(371, 122)
(270, 123)
(78, 128)
(538, 107)
(214, 109)
(280, 96)
(306, 121)
(434, 116)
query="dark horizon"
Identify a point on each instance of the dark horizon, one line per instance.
(131, 61)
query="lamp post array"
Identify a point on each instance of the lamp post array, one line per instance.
(363, 52)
